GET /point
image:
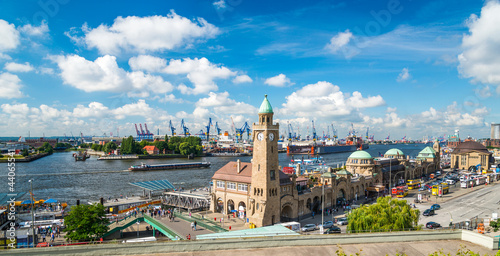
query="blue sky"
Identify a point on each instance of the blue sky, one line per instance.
(415, 68)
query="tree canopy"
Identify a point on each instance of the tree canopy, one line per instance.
(386, 214)
(86, 222)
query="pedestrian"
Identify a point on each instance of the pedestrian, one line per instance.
(195, 223)
(43, 237)
(188, 237)
(313, 215)
(52, 238)
(192, 225)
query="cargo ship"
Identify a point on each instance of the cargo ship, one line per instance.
(313, 148)
(147, 167)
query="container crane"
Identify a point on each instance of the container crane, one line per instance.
(314, 131)
(139, 135)
(172, 128)
(367, 130)
(148, 135)
(233, 128)
(290, 131)
(217, 128)
(208, 128)
(184, 128)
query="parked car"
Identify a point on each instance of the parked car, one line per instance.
(332, 230)
(432, 224)
(435, 207)
(451, 182)
(326, 225)
(308, 227)
(438, 173)
(342, 221)
(428, 212)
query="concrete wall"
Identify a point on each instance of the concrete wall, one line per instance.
(248, 243)
(480, 239)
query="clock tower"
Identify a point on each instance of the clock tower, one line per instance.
(265, 188)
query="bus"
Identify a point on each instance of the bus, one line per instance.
(414, 184)
(480, 180)
(466, 183)
(400, 191)
(444, 186)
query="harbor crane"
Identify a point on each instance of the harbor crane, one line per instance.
(208, 128)
(217, 128)
(290, 132)
(242, 130)
(314, 131)
(143, 134)
(367, 130)
(184, 128)
(172, 128)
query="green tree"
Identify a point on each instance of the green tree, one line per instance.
(161, 145)
(86, 222)
(185, 148)
(386, 214)
(25, 153)
(110, 146)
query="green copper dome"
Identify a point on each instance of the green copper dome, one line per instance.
(265, 107)
(394, 152)
(360, 154)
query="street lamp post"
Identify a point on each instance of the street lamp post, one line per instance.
(390, 174)
(32, 214)
(138, 223)
(322, 209)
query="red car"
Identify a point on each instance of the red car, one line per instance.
(427, 186)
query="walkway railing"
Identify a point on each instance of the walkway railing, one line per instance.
(162, 228)
(202, 222)
(156, 224)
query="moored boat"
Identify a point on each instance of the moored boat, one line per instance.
(147, 167)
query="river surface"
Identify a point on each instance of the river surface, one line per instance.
(58, 176)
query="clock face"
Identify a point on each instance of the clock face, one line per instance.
(260, 136)
(271, 136)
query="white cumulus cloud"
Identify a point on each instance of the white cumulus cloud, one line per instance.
(201, 72)
(10, 36)
(103, 74)
(242, 79)
(10, 86)
(31, 30)
(147, 34)
(221, 4)
(480, 59)
(18, 67)
(324, 99)
(279, 81)
(338, 41)
(404, 75)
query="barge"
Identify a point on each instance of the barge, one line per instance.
(147, 167)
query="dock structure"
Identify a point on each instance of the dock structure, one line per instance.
(198, 200)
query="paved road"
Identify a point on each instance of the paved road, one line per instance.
(481, 201)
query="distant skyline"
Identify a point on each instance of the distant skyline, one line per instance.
(399, 67)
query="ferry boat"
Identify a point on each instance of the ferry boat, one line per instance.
(147, 167)
(81, 156)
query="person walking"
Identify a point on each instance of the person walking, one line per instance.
(192, 225)
(195, 223)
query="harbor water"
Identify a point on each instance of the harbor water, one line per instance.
(60, 177)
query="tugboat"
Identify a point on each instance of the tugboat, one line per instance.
(81, 156)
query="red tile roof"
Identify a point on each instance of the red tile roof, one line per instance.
(150, 148)
(229, 172)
